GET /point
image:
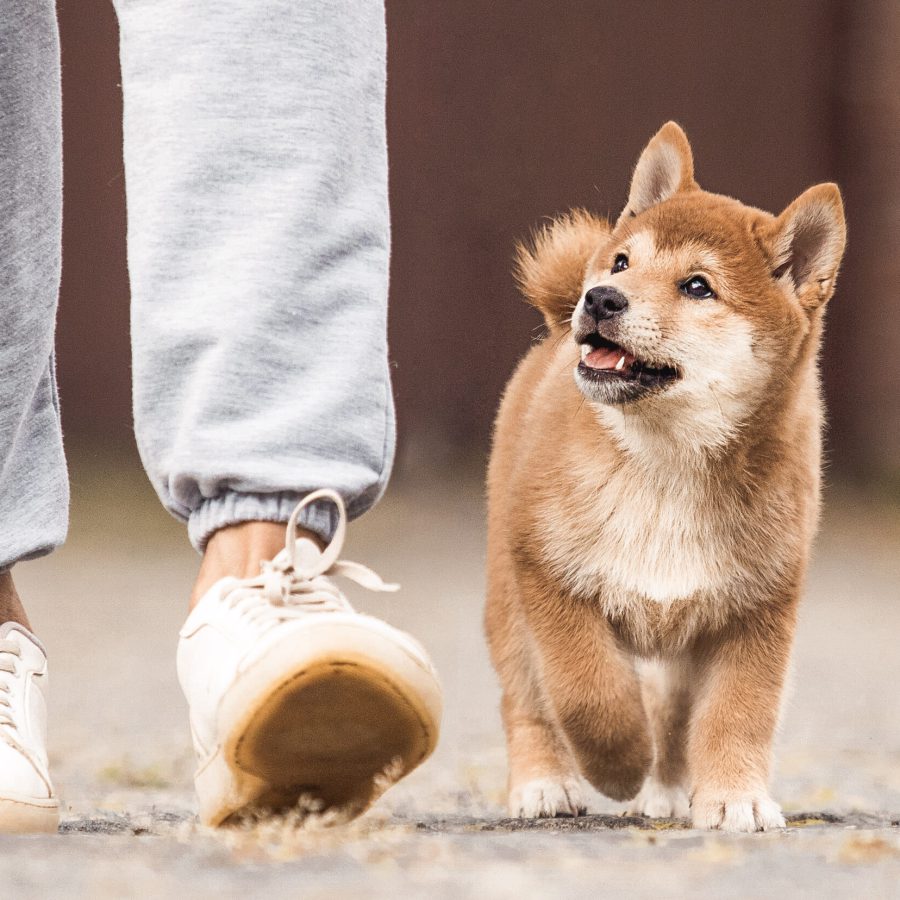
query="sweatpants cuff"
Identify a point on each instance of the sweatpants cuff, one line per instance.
(233, 508)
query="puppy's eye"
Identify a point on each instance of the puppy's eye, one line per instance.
(698, 287)
(620, 263)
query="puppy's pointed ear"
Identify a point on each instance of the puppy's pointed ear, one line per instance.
(806, 243)
(550, 268)
(665, 167)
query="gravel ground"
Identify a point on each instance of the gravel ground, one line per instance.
(109, 606)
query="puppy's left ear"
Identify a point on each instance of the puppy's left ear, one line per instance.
(807, 243)
(665, 167)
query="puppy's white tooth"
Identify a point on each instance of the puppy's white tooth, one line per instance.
(585, 349)
(620, 363)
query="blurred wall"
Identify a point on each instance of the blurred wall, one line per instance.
(501, 113)
(862, 362)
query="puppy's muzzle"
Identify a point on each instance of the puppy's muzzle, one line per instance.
(604, 303)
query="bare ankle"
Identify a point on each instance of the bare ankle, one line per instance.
(11, 608)
(238, 550)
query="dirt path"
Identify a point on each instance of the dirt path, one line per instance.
(109, 606)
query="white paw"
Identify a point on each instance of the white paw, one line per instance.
(544, 798)
(660, 801)
(733, 811)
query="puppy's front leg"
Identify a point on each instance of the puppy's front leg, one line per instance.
(734, 721)
(543, 778)
(592, 687)
(667, 688)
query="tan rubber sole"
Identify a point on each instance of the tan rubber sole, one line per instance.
(335, 729)
(29, 817)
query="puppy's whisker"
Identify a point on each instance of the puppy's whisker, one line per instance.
(719, 405)
(560, 339)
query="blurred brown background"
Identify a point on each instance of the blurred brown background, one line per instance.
(503, 112)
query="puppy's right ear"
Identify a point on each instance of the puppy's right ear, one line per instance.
(550, 268)
(807, 243)
(665, 167)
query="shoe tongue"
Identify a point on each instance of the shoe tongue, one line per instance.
(306, 555)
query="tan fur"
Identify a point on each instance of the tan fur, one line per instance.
(674, 528)
(551, 269)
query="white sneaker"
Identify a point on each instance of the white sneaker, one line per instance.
(295, 695)
(27, 803)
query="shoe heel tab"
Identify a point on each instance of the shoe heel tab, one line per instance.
(8, 628)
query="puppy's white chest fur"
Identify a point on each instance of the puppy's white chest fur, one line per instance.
(642, 536)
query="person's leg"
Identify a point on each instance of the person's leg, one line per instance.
(237, 550)
(33, 481)
(258, 249)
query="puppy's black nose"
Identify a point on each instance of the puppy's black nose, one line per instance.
(604, 303)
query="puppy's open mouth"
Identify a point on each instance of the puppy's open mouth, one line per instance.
(604, 359)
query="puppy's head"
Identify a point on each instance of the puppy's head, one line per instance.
(693, 305)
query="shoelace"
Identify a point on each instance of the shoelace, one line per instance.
(7, 649)
(290, 588)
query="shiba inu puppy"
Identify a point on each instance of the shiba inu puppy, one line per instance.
(653, 494)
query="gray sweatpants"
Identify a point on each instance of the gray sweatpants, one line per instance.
(258, 238)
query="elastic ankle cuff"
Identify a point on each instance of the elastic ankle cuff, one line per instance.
(233, 508)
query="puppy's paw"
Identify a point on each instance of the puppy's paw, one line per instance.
(660, 801)
(736, 811)
(545, 798)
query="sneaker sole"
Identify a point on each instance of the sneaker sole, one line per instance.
(331, 719)
(28, 816)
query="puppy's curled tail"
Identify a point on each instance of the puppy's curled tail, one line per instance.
(550, 267)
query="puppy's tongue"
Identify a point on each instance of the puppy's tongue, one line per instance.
(606, 358)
